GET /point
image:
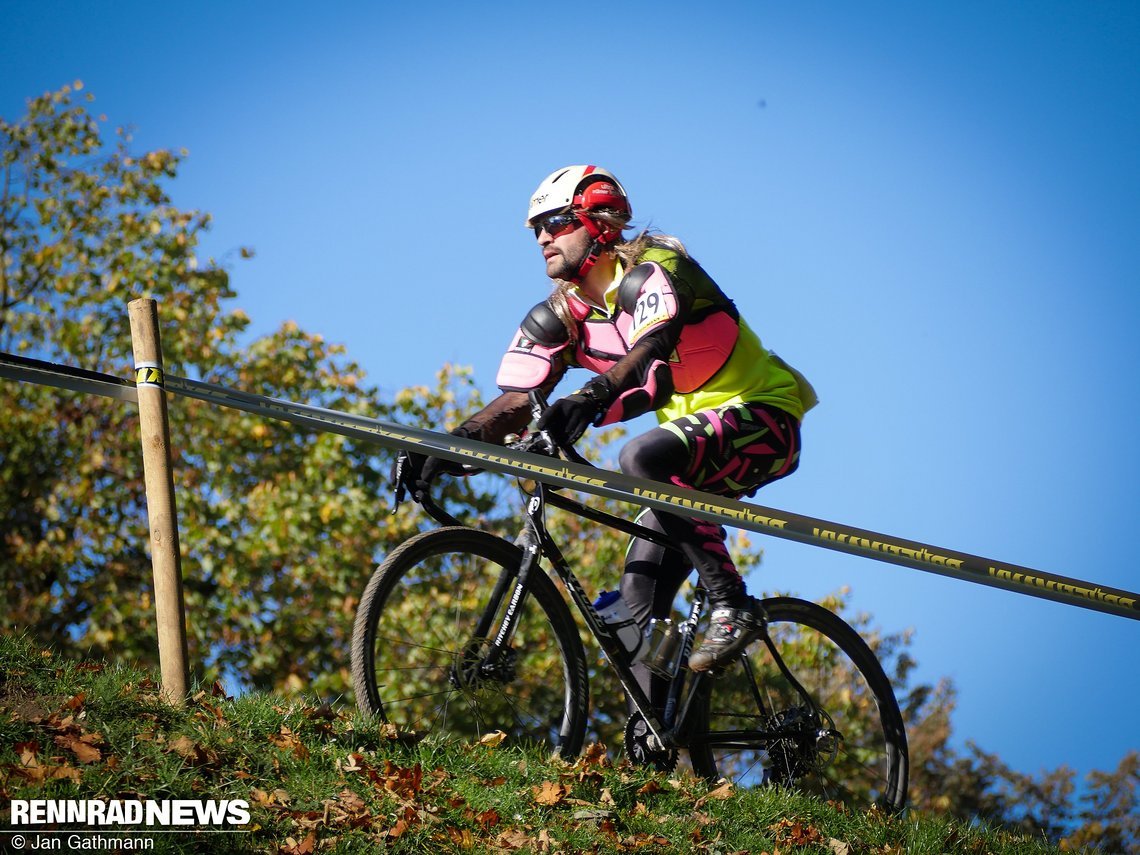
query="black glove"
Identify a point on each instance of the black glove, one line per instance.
(432, 468)
(420, 471)
(567, 418)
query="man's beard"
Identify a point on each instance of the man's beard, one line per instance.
(566, 266)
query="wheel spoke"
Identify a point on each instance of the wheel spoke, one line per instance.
(420, 661)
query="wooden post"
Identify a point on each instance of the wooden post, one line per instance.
(170, 607)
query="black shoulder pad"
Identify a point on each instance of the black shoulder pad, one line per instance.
(543, 326)
(631, 284)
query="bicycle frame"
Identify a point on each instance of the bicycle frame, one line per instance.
(535, 542)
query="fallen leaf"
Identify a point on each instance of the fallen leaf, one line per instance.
(594, 815)
(594, 755)
(350, 801)
(513, 838)
(27, 751)
(39, 774)
(461, 837)
(397, 830)
(287, 740)
(305, 847)
(795, 833)
(263, 799)
(403, 782)
(488, 819)
(192, 752)
(390, 731)
(550, 793)
(352, 763)
(324, 712)
(640, 841)
(724, 791)
(83, 751)
(493, 739)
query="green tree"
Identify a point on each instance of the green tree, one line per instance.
(971, 784)
(1110, 816)
(279, 527)
(82, 231)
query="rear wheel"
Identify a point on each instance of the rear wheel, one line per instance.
(422, 652)
(844, 741)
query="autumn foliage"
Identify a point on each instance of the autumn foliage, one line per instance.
(280, 528)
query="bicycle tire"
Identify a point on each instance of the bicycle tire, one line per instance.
(865, 764)
(415, 655)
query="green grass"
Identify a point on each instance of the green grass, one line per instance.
(321, 778)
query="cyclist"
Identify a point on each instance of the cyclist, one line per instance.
(660, 336)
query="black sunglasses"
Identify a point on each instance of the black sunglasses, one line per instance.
(557, 224)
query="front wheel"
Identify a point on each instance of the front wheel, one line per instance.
(423, 656)
(838, 735)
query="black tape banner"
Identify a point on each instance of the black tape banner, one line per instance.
(613, 485)
(22, 368)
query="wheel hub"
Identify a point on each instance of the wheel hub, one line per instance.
(478, 663)
(810, 745)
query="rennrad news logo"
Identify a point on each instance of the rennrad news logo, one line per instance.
(155, 813)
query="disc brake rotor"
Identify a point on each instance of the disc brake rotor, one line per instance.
(811, 743)
(477, 663)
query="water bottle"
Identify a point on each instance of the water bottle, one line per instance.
(615, 613)
(662, 644)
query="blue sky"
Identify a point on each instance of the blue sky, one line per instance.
(930, 209)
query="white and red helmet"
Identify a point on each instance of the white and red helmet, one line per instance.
(582, 188)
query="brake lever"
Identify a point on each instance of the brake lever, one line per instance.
(400, 491)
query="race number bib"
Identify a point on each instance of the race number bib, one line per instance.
(656, 305)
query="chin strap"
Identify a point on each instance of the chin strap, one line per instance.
(604, 237)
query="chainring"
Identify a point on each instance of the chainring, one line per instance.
(637, 738)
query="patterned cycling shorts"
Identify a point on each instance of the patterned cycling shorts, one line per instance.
(730, 451)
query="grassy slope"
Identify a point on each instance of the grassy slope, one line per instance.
(322, 779)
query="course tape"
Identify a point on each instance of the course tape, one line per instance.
(14, 367)
(613, 485)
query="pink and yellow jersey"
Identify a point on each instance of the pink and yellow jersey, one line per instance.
(668, 335)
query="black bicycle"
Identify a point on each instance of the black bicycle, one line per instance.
(463, 633)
